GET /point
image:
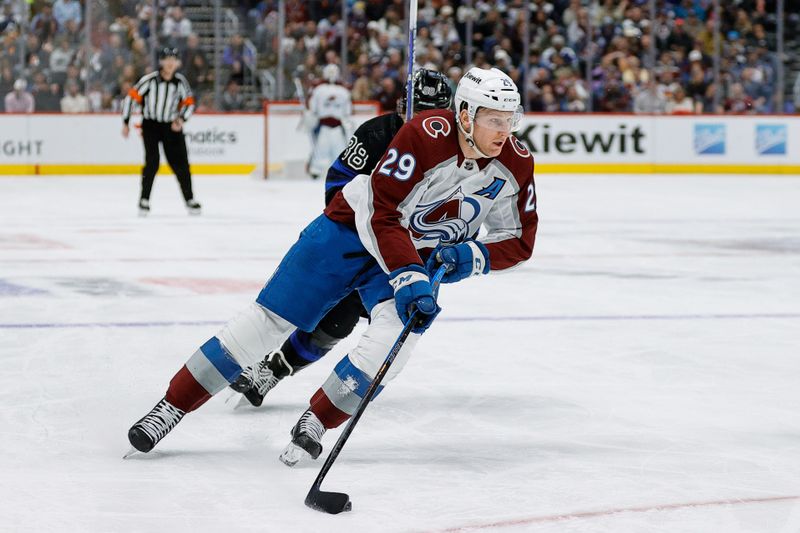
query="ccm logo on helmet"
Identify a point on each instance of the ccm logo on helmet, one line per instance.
(435, 126)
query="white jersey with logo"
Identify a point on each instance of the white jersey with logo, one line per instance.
(425, 192)
(329, 109)
(330, 100)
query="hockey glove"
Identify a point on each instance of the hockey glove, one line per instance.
(467, 259)
(412, 290)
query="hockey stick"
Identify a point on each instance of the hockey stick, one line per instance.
(412, 36)
(336, 502)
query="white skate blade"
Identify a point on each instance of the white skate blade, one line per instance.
(293, 454)
(132, 451)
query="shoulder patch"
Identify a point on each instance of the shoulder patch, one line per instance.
(435, 126)
(519, 148)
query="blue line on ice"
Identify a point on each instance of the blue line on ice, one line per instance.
(542, 318)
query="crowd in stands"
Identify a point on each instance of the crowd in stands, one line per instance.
(599, 55)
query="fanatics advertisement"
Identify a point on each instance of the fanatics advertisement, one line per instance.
(60, 144)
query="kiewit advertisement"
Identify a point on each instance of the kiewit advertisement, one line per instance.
(93, 144)
(669, 144)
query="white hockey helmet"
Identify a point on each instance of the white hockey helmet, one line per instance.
(489, 88)
(330, 73)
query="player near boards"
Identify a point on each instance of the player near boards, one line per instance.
(330, 107)
(167, 103)
(444, 176)
(364, 150)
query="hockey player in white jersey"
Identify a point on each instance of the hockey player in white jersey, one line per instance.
(329, 110)
(445, 177)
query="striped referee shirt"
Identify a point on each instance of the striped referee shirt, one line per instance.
(161, 100)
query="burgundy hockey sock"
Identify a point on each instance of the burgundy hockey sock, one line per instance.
(185, 392)
(330, 415)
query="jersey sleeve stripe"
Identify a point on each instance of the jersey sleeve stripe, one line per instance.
(344, 169)
(365, 230)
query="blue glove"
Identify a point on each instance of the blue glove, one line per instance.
(412, 290)
(467, 259)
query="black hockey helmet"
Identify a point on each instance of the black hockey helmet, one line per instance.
(431, 91)
(168, 52)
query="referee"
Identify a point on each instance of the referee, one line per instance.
(167, 102)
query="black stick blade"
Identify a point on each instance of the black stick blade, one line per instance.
(328, 502)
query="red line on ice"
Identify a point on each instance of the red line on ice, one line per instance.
(206, 286)
(608, 512)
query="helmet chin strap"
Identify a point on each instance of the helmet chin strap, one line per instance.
(468, 138)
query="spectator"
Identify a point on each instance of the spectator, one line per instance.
(19, 100)
(232, 99)
(198, 72)
(114, 53)
(9, 47)
(679, 103)
(361, 89)
(8, 20)
(48, 98)
(6, 83)
(679, 38)
(66, 11)
(73, 75)
(36, 55)
(549, 101)
(559, 49)
(738, 103)
(143, 21)
(693, 25)
(388, 94)
(43, 24)
(206, 103)
(697, 84)
(60, 60)
(234, 57)
(576, 98)
(71, 31)
(176, 28)
(649, 99)
(95, 97)
(73, 101)
(191, 50)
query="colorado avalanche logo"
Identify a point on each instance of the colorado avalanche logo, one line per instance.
(518, 147)
(444, 220)
(435, 126)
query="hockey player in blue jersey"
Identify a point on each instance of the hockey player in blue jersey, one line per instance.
(364, 149)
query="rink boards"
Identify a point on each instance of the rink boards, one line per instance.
(93, 144)
(260, 142)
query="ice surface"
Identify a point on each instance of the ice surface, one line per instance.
(639, 375)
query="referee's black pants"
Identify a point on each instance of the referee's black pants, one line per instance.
(174, 144)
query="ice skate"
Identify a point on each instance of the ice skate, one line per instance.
(154, 426)
(144, 207)
(306, 440)
(256, 381)
(194, 207)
